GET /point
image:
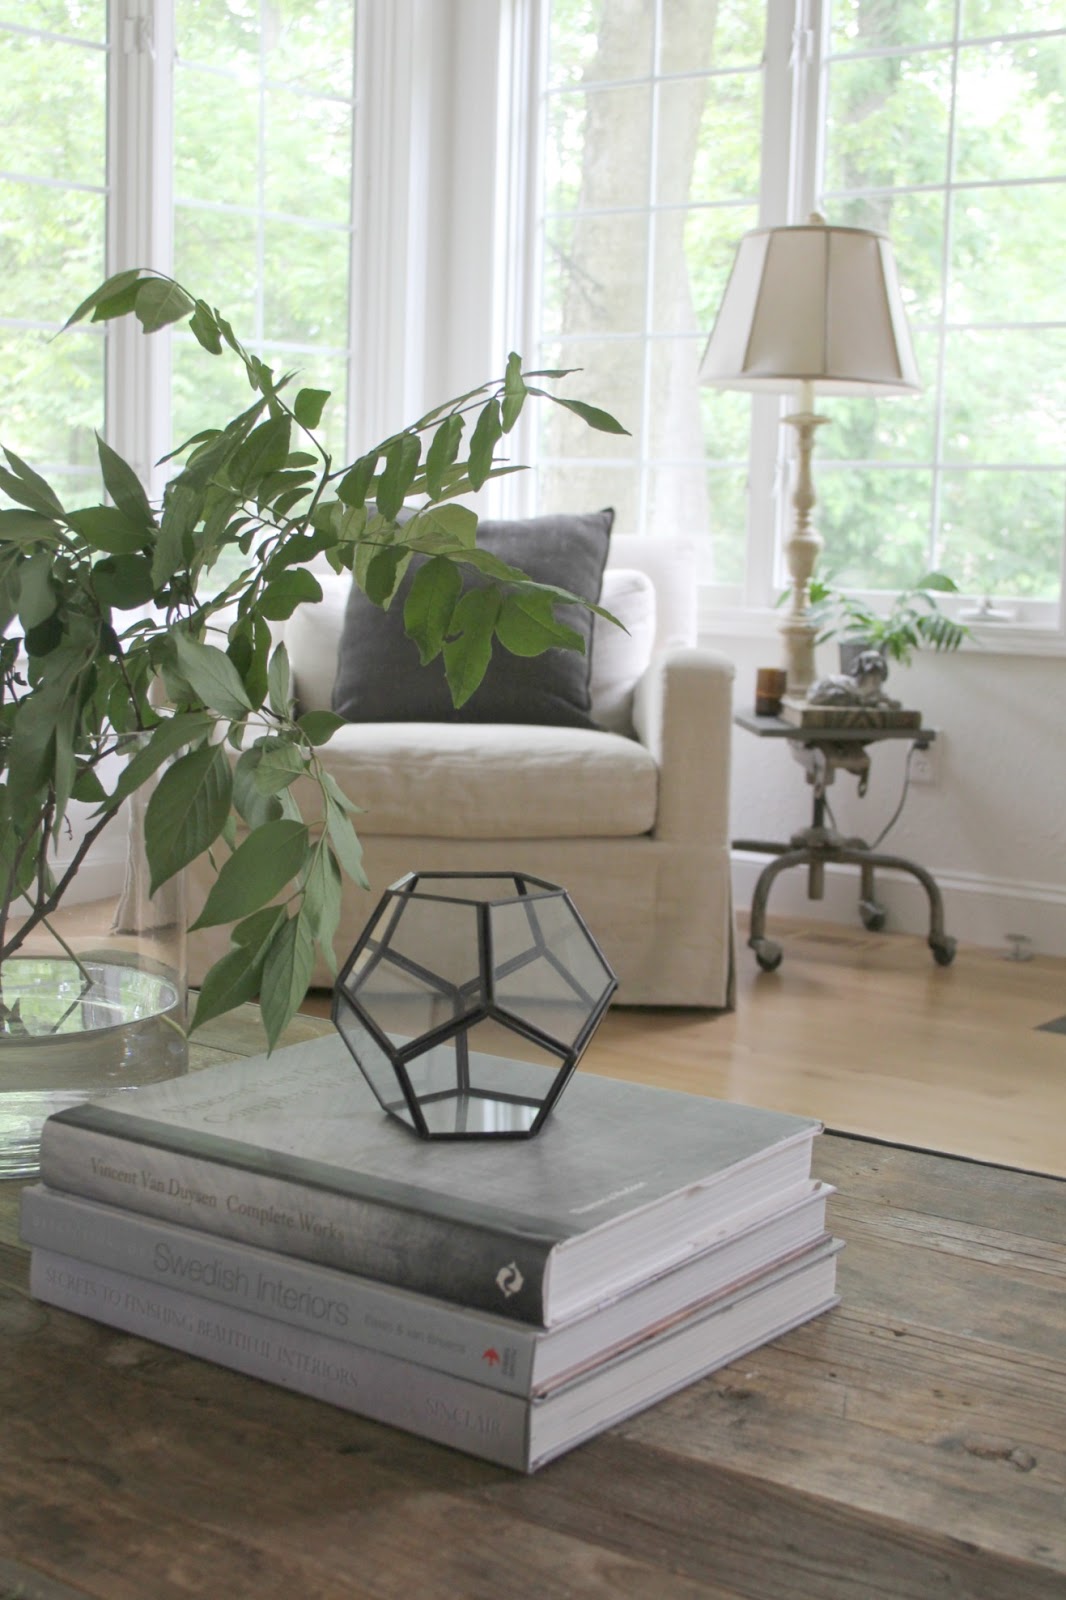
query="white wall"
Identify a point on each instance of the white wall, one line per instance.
(991, 829)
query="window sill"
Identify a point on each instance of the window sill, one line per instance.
(718, 624)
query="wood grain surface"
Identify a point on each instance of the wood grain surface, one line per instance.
(908, 1445)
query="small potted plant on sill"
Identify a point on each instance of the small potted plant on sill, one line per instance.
(102, 606)
(913, 621)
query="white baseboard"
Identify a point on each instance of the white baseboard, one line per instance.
(981, 911)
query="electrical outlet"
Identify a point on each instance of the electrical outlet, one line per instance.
(923, 765)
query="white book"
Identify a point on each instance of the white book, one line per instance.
(500, 1353)
(293, 1153)
(511, 1430)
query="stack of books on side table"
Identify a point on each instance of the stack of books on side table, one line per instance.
(510, 1299)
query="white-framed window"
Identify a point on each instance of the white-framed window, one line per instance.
(210, 139)
(664, 130)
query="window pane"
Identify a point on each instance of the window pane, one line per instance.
(735, 40)
(875, 524)
(1008, 246)
(53, 204)
(34, 369)
(53, 109)
(599, 149)
(263, 142)
(216, 134)
(566, 485)
(656, 172)
(1005, 396)
(1009, 114)
(984, 17)
(1002, 531)
(595, 273)
(591, 40)
(889, 117)
(979, 250)
(610, 367)
(873, 24)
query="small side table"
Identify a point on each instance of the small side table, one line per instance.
(823, 752)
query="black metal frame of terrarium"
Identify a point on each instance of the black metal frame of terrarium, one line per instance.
(449, 970)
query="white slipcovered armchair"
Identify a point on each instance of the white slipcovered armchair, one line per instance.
(633, 823)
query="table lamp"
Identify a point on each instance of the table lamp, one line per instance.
(810, 308)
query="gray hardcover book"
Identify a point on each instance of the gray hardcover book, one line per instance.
(504, 1428)
(292, 1152)
(479, 1345)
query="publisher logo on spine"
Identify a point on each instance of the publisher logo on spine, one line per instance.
(509, 1280)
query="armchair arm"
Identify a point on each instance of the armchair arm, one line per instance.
(682, 713)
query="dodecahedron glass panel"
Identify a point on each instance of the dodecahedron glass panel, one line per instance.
(469, 999)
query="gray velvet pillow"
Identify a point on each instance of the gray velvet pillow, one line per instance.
(380, 679)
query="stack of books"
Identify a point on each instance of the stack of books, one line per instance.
(508, 1299)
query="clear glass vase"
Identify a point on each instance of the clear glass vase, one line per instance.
(94, 1001)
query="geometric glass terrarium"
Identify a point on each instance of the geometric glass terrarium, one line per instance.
(469, 999)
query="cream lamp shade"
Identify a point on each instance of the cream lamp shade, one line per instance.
(812, 304)
(810, 308)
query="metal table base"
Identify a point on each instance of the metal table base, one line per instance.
(818, 845)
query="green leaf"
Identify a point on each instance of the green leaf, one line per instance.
(602, 421)
(401, 464)
(203, 325)
(279, 765)
(26, 527)
(110, 287)
(164, 741)
(29, 488)
(308, 407)
(487, 432)
(322, 901)
(124, 486)
(109, 529)
(467, 657)
(186, 811)
(123, 583)
(281, 597)
(161, 301)
(318, 727)
(267, 859)
(251, 803)
(457, 523)
(182, 506)
(527, 626)
(264, 451)
(345, 841)
(287, 971)
(229, 983)
(442, 452)
(336, 794)
(382, 573)
(37, 596)
(212, 676)
(514, 392)
(258, 929)
(430, 603)
(352, 489)
(279, 682)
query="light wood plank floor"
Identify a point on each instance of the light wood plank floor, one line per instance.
(867, 1033)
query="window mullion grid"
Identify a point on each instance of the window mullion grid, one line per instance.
(139, 223)
(788, 182)
(643, 443)
(937, 486)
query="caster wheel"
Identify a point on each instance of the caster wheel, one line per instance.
(767, 954)
(873, 915)
(943, 950)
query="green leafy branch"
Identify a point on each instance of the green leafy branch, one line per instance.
(118, 635)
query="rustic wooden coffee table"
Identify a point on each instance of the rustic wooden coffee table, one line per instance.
(910, 1444)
